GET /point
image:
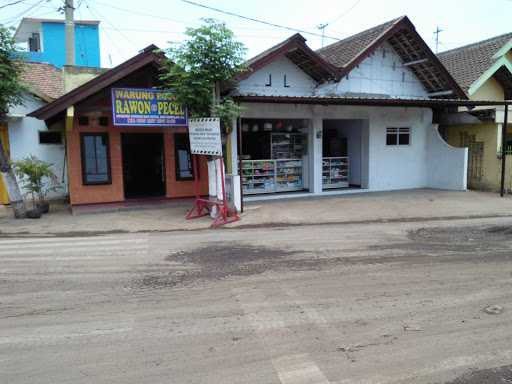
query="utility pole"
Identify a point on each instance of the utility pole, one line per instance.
(322, 28)
(437, 32)
(69, 10)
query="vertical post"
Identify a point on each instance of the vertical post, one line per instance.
(222, 182)
(503, 150)
(196, 173)
(69, 10)
(239, 160)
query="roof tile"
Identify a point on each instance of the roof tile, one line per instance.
(43, 78)
(466, 64)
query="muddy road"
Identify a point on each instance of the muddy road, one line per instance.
(380, 303)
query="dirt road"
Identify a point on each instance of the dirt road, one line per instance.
(382, 303)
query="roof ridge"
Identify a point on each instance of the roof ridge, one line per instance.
(389, 22)
(474, 44)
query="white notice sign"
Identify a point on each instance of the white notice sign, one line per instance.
(205, 137)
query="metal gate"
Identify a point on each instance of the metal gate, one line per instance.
(475, 164)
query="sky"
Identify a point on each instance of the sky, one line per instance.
(127, 26)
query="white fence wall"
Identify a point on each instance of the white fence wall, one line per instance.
(446, 165)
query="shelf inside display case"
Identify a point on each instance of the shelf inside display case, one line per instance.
(335, 172)
(270, 176)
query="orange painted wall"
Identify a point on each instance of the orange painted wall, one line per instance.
(114, 192)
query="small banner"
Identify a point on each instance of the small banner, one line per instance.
(146, 107)
(204, 135)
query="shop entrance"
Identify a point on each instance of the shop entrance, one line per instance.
(274, 155)
(345, 153)
(143, 164)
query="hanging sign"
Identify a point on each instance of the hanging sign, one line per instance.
(204, 135)
(146, 107)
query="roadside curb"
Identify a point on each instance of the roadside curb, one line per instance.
(269, 225)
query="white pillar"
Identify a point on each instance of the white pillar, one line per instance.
(234, 148)
(316, 155)
(212, 179)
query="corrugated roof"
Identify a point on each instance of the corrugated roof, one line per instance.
(466, 64)
(44, 79)
(342, 52)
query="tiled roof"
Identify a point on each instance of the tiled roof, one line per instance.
(44, 79)
(342, 52)
(466, 64)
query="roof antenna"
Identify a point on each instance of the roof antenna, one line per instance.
(437, 32)
(322, 28)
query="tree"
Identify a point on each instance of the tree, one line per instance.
(11, 91)
(208, 57)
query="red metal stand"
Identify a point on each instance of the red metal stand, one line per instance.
(203, 206)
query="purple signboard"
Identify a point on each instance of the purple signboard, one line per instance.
(147, 107)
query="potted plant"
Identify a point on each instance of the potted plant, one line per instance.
(38, 179)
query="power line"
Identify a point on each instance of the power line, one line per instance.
(257, 20)
(10, 20)
(106, 33)
(13, 3)
(322, 26)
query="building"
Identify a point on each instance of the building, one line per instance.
(357, 115)
(24, 136)
(47, 78)
(45, 41)
(484, 72)
(110, 163)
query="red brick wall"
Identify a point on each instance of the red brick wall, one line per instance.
(114, 192)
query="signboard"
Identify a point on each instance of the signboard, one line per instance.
(146, 107)
(205, 136)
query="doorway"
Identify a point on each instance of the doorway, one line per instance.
(345, 153)
(143, 165)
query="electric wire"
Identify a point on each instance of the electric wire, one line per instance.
(228, 13)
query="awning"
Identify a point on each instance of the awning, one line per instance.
(370, 101)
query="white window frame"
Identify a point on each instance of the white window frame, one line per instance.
(398, 131)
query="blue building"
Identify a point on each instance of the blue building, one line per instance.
(46, 42)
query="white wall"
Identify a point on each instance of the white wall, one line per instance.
(446, 165)
(382, 73)
(24, 140)
(388, 167)
(299, 83)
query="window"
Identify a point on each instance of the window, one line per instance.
(83, 120)
(34, 43)
(95, 158)
(103, 120)
(398, 136)
(184, 169)
(50, 137)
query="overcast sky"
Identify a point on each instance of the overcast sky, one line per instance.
(129, 25)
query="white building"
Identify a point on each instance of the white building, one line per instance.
(28, 136)
(355, 115)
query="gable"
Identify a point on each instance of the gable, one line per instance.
(490, 90)
(408, 44)
(298, 83)
(382, 73)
